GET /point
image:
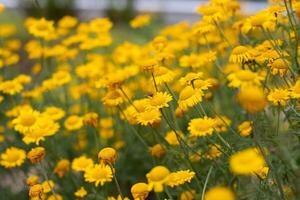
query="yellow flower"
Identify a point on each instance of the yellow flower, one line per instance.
(107, 155)
(54, 113)
(279, 97)
(100, 174)
(118, 198)
(295, 91)
(219, 193)
(148, 65)
(159, 100)
(157, 151)
(252, 98)
(73, 122)
(222, 123)
(82, 163)
(36, 155)
(188, 195)
(214, 152)
(32, 180)
(140, 21)
(245, 128)
(48, 186)
(247, 162)
(157, 177)
(279, 66)
(163, 75)
(113, 98)
(263, 173)
(61, 77)
(55, 197)
(91, 119)
(2, 7)
(189, 97)
(201, 126)
(11, 87)
(140, 191)
(190, 78)
(67, 22)
(36, 191)
(26, 121)
(81, 192)
(62, 167)
(149, 117)
(243, 78)
(41, 28)
(12, 157)
(172, 138)
(240, 54)
(23, 79)
(179, 178)
(263, 19)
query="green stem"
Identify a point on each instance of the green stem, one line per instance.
(206, 182)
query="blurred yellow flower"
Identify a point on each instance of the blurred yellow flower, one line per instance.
(12, 157)
(219, 193)
(247, 162)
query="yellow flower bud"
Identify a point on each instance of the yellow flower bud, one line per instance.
(36, 155)
(108, 154)
(140, 191)
(36, 190)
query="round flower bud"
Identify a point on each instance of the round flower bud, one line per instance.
(36, 190)
(108, 155)
(140, 191)
(32, 180)
(36, 154)
(91, 119)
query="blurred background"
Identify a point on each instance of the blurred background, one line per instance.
(169, 11)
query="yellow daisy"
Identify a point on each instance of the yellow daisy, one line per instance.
(12, 157)
(202, 126)
(100, 174)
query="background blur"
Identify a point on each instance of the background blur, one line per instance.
(169, 11)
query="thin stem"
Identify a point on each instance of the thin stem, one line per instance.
(155, 85)
(206, 182)
(47, 179)
(116, 180)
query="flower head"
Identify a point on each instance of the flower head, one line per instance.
(82, 163)
(159, 100)
(252, 98)
(36, 154)
(73, 122)
(279, 97)
(140, 191)
(219, 193)
(240, 54)
(179, 177)
(247, 162)
(12, 157)
(140, 21)
(157, 177)
(36, 190)
(107, 155)
(189, 97)
(81, 192)
(245, 128)
(99, 174)
(201, 126)
(62, 167)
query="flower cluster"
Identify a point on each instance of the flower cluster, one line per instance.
(205, 110)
